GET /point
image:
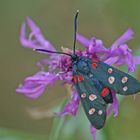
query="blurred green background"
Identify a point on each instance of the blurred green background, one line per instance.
(105, 19)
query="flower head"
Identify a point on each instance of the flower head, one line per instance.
(59, 66)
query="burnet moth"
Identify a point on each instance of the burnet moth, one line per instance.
(94, 81)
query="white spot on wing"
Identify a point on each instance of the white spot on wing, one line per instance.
(100, 112)
(124, 79)
(83, 95)
(125, 88)
(110, 70)
(92, 97)
(111, 79)
(91, 111)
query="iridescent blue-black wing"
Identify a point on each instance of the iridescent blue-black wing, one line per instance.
(93, 103)
(113, 78)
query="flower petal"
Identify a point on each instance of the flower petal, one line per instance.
(111, 60)
(93, 132)
(34, 86)
(96, 46)
(124, 38)
(114, 106)
(24, 41)
(93, 45)
(66, 77)
(136, 59)
(71, 107)
(37, 92)
(83, 40)
(35, 39)
(121, 56)
(125, 57)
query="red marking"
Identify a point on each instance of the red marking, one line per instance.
(105, 91)
(94, 65)
(94, 60)
(80, 78)
(74, 79)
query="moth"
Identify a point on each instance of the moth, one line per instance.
(94, 81)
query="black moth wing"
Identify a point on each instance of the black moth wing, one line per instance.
(115, 79)
(94, 106)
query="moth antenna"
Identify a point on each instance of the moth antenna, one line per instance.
(42, 50)
(74, 43)
(75, 30)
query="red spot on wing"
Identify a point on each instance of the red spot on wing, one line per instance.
(80, 78)
(74, 79)
(94, 65)
(105, 91)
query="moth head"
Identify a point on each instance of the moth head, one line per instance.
(74, 58)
